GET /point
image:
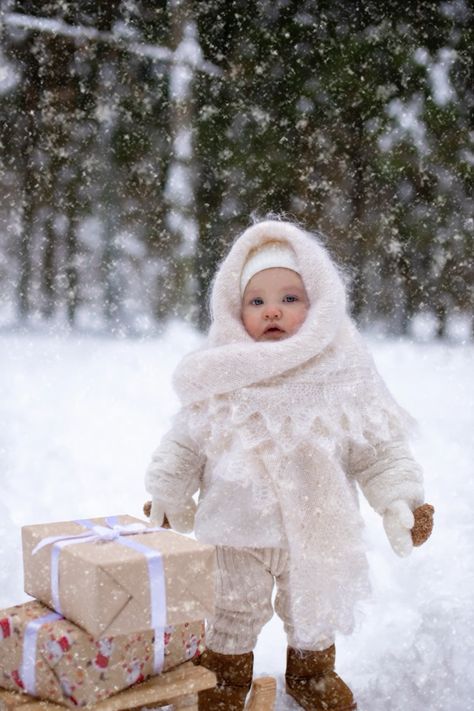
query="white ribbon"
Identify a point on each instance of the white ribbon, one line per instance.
(30, 638)
(114, 531)
(98, 533)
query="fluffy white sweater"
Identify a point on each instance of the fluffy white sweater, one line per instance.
(275, 436)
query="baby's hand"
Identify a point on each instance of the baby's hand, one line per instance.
(151, 513)
(398, 520)
(181, 518)
(405, 528)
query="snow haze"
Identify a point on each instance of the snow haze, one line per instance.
(80, 416)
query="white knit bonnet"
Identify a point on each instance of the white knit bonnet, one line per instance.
(268, 256)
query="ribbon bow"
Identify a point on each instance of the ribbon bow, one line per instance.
(98, 533)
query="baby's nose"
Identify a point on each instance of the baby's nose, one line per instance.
(272, 312)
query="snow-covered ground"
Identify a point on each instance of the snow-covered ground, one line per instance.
(80, 415)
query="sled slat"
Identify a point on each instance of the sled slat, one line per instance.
(179, 687)
(262, 694)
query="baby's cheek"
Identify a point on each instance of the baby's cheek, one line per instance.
(300, 319)
(248, 323)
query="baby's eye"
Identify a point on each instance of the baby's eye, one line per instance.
(290, 298)
(257, 301)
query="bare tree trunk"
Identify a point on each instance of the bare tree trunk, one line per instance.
(24, 251)
(48, 273)
(71, 273)
(108, 202)
(357, 236)
(29, 139)
(109, 262)
(442, 314)
(180, 283)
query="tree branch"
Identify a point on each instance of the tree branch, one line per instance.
(59, 27)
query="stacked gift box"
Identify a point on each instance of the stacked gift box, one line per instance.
(117, 601)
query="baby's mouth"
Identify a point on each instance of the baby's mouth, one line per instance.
(273, 329)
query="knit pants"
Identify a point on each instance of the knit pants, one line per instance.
(244, 586)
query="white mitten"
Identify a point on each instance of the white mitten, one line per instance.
(181, 518)
(157, 512)
(398, 520)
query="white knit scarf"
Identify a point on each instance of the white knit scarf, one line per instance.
(292, 401)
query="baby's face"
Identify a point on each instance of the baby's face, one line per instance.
(274, 304)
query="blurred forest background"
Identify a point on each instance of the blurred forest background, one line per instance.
(138, 137)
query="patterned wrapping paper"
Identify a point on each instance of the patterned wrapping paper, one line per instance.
(105, 587)
(73, 668)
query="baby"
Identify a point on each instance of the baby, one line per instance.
(283, 415)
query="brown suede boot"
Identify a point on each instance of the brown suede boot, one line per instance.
(234, 679)
(313, 683)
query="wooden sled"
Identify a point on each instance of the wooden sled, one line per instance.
(178, 687)
(262, 694)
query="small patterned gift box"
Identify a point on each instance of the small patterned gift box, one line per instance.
(45, 655)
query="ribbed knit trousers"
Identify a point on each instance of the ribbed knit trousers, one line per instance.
(244, 586)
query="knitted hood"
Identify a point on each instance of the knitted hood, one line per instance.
(228, 342)
(323, 285)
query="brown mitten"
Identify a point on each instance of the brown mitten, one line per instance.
(423, 525)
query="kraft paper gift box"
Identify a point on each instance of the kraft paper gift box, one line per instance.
(132, 583)
(54, 659)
